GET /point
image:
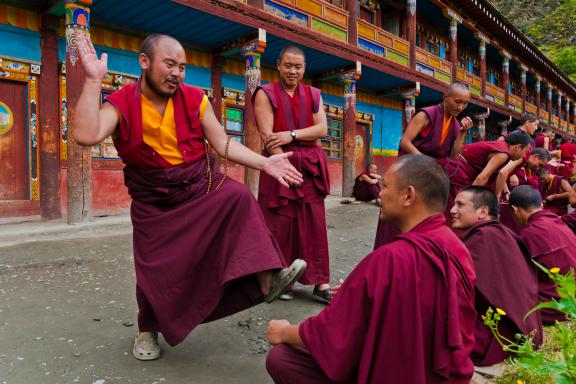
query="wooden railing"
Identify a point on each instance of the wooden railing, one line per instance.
(494, 93)
(515, 102)
(383, 43)
(531, 108)
(556, 121)
(564, 125)
(318, 15)
(543, 115)
(474, 82)
(433, 66)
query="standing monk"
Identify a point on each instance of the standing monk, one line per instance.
(201, 248)
(433, 131)
(405, 314)
(290, 117)
(570, 218)
(498, 253)
(549, 241)
(567, 158)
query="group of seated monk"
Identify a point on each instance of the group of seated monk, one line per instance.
(411, 311)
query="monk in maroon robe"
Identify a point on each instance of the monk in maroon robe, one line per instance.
(201, 248)
(405, 314)
(367, 185)
(554, 190)
(549, 241)
(436, 132)
(290, 117)
(498, 254)
(479, 163)
(567, 159)
(570, 218)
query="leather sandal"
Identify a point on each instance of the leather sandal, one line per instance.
(146, 346)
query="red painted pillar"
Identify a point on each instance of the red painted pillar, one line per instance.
(252, 52)
(506, 77)
(49, 121)
(568, 111)
(538, 98)
(352, 7)
(79, 172)
(411, 28)
(349, 79)
(549, 104)
(454, 47)
(408, 105)
(482, 54)
(523, 90)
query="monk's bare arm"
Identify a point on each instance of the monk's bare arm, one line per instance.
(496, 161)
(91, 124)
(503, 175)
(547, 143)
(282, 332)
(316, 131)
(264, 114)
(415, 126)
(564, 186)
(369, 180)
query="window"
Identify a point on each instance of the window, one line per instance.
(332, 142)
(234, 123)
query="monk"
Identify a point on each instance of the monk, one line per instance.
(570, 218)
(545, 140)
(201, 248)
(290, 118)
(405, 314)
(367, 185)
(498, 254)
(528, 123)
(434, 131)
(549, 241)
(567, 158)
(554, 190)
(479, 163)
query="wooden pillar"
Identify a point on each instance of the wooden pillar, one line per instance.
(79, 164)
(538, 98)
(216, 83)
(455, 19)
(481, 118)
(574, 115)
(549, 104)
(559, 108)
(409, 105)
(349, 78)
(49, 120)
(523, 90)
(506, 77)
(411, 28)
(482, 54)
(568, 111)
(252, 52)
(352, 7)
(503, 124)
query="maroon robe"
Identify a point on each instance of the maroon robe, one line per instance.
(498, 253)
(570, 220)
(508, 219)
(568, 157)
(551, 244)
(296, 216)
(196, 254)
(428, 142)
(364, 191)
(554, 187)
(405, 314)
(463, 170)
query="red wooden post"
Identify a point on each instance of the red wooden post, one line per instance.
(252, 52)
(523, 90)
(482, 53)
(455, 19)
(411, 28)
(79, 172)
(349, 78)
(538, 98)
(506, 77)
(49, 119)
(352, 7)
(549, 104)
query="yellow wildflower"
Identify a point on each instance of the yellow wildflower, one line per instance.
(554, 270)
(500, 312)
(519, 382)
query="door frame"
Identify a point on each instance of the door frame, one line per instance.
(368, 120)
(26, 72)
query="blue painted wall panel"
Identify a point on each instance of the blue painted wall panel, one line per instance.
(19, 43)
(233, 82)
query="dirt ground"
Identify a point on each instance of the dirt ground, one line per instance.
(68, 310)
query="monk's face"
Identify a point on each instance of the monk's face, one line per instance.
(464, 215)
(531, 127)
(536, 162)
(166, 69)
(391, 196)
(373, 168)
(518, 151)
(291, 68)
(456, 101)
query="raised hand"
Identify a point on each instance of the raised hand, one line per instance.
(93, 68)
(282, 170)
(466, 123)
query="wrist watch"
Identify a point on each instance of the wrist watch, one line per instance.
(293, 134)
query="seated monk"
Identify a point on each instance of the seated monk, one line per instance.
(406, 312)
(498, 253)
(554, 190)
(570, 218)
(367, 185)
(549, 241)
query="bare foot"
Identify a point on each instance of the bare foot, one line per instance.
(265, 280)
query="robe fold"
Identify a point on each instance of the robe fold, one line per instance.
(364, 191)
(567, 159)
(405, 314)
(551, 244)
(556, 206)
(499, 254)
(570, 220)
(428, 142)
(296, 216)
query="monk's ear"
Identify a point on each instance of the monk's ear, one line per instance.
(409, 196)
(484, 213)
(144, 60)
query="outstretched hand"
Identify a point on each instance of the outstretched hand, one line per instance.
(93, 68)
(282, 170)
(466, 123)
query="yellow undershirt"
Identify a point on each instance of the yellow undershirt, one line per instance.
(160, 131)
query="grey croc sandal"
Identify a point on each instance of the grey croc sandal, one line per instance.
(146, 346)
(285, 278)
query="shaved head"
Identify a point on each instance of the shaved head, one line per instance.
(525, 197)
(151, 42)
(426, 176)
(483, 197)
(457, 88)
(293, 49)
